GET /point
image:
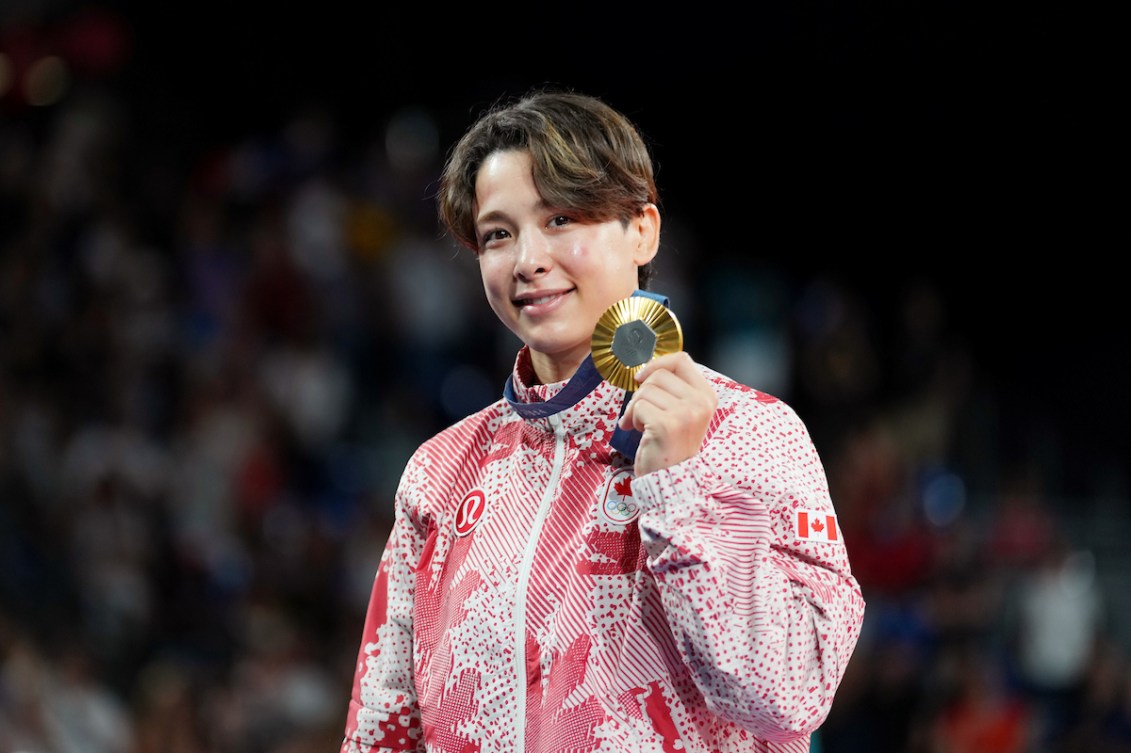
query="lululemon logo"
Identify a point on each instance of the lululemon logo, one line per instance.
(470, 512)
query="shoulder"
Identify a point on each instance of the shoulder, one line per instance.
(466, 439)
(734, 396)
(758, 433)
(747, 414)
(455, 453)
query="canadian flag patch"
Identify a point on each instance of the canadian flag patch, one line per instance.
(816, 525)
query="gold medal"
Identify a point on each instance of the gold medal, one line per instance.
(631, 333)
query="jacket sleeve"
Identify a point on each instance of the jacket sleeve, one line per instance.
(383, 712)
(766, 613)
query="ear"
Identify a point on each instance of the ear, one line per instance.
(647, 227)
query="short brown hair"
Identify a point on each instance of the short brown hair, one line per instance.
(587, 156)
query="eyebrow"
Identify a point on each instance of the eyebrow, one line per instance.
(498, 215)
(494, 216)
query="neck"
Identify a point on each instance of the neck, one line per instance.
(557, 367)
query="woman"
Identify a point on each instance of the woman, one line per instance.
(550, 586)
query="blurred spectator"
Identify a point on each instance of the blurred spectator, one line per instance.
(980, 712)
(891, 543)
(882, 700)
(215, 361)
(51, 699)
(1059, 625)
(1022, 528)
(1102, 721)
(837, 368)
(167, 715)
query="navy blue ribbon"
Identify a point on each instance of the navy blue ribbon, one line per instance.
(581, 384)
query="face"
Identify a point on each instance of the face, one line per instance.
(548, 275)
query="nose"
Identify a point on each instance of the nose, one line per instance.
(532, 257)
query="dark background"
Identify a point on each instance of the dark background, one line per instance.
(973, 144)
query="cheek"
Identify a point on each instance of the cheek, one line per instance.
(592, 258)
(608, 261)
(496, 279)
(489, 270)
(612, 250)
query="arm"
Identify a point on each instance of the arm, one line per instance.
(765, 621)
(383, 713)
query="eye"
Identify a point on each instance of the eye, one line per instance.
(494, 235)
(559, 220)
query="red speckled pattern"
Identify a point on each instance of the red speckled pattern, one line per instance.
(677, 612)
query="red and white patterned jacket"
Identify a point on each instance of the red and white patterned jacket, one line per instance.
(535, 596)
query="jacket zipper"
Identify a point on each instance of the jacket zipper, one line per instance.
(524, 581)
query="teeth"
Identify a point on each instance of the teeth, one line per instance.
(537, 301)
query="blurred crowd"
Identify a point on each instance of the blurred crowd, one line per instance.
(213, 366)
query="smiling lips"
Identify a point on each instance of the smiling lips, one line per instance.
(539, 300)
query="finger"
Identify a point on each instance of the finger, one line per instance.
(665, 391)
(628, 419)
(643, 407)
(664, 398)
(676, 385)
(660, 362)
(673, 362)
(642, 414)
(662, 389)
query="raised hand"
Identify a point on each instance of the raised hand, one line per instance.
(671, 407)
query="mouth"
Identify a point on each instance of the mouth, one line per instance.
(539, 298)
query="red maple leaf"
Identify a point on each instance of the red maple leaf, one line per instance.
(623, 487)
(817, 526)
